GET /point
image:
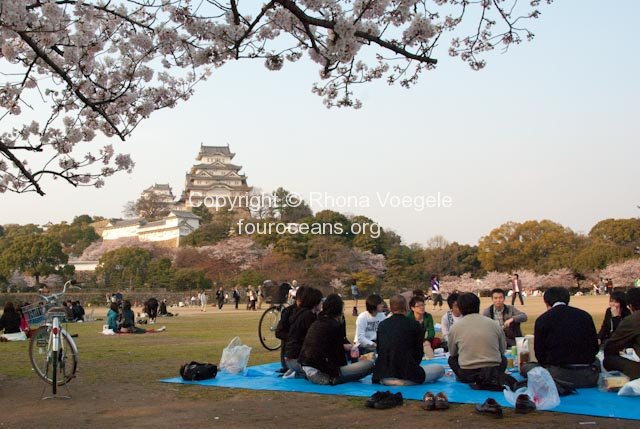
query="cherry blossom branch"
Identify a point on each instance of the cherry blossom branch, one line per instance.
(40, 53)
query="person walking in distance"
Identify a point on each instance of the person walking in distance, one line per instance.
(220, 297)
(203, 301)
(436, 295)
(516, 286)
(236, 296)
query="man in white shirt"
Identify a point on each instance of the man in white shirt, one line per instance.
(516, 286)
(367, 324)
(451, 316)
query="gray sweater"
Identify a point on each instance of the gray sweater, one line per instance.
(477, 341)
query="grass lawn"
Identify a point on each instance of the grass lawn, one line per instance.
(125, 368)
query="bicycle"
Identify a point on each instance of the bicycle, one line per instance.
(52, 350)
(267, 327)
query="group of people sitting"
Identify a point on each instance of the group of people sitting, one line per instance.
(121, 318)
(315, 345)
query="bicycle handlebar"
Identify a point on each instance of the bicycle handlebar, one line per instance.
(54, 297)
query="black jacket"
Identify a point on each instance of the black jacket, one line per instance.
(565, 335)
(400, 350)
(300, 324)
(610, 324)
(284, 325)
(323, 347)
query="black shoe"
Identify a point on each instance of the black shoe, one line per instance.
(490, 407)
(393, 400)
(524, 404)
(370, 403)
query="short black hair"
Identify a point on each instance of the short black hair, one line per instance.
(372, 302)
(418, 292)
(633, 298)
(497, 290)
(333, 306)
(311, 298)
(556, 294)
(516, 274)
(452, 299)
(468, 303)
(414, 300)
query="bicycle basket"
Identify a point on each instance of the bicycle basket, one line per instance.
(34, 314)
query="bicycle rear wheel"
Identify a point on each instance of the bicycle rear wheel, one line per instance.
(267, 328)
(43, 358)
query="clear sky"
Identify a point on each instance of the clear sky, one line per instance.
(548, 131)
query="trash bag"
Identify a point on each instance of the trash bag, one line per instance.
(632, 388)
(235, 357)
(541, 389)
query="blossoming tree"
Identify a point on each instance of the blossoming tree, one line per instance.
(75, 68)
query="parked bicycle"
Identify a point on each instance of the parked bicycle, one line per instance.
(52, 350)
(267, 327)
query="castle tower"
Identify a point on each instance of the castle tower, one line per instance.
(214, 180)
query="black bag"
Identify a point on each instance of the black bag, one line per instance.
(195, 371)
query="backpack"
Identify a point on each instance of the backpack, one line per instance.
(195, 371)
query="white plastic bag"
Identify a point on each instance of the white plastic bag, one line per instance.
(540, 387)
(632, 388)
(235, 357)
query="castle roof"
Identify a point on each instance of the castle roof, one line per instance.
(214, 150)
(183, 214)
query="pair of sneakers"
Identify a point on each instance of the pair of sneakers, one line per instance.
(384, 400)
(432, 402)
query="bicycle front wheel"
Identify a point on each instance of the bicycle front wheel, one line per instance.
(267, 328)
(42, 356)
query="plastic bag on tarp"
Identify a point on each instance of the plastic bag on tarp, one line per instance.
(541, 389)
(235, 357)
(632, 388)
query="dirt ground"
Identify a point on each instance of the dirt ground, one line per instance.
(122, 400)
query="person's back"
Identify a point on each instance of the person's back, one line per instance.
(565, 335)
(112, 316)
(300, 322)
(127, 319)
(566, 341)
(477, 341)
(400, 350)
(10, 319)
(322, 346)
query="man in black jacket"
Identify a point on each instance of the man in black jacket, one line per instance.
(566, 341)
(627, 335)
(400, 350)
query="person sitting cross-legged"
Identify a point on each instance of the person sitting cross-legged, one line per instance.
(400, 350)
(367, 324)
(507, 316)
(565, 341)
(477, 345)
(323, 356)
(627, 335)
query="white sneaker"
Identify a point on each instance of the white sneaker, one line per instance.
(289, 374)
(162, 329)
